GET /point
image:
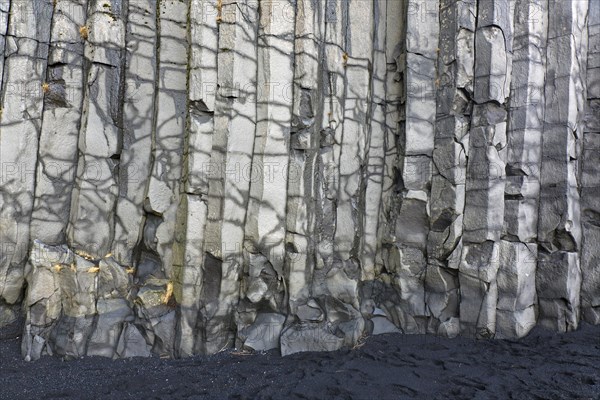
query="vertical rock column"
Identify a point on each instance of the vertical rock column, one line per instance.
(343, 278)
(263, 302)
(558, 275)
(334, 319)
(590, 181)
(63, 99)
(171, 98)
(518, 249)
(372, 184)
(305, 177)
(484, 205)
(375, 177)
(394, 11)
(164, 184)
(355, 132)
(328, 161)
(417, 66)
(454, 105)
(138, 117)
(304, 152)
(25, 57)
(393, 98)
(379, 296)
(91, 227)
(312, 320)
(229, 185)
(202, 86)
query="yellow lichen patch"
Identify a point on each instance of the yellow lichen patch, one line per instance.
(130, 270)
(168, 293)
(83, 254)
(93, 270)
(57, 267)
(45, 87)
(345, 58)
(73, 267)
(84, 32)
(219, 9)
(108, 255)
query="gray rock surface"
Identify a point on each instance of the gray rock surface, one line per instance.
(185, 176)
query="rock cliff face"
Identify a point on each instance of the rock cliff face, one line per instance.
(185, 176)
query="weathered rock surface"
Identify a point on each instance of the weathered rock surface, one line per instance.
(184, 176)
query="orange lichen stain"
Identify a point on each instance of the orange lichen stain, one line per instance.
(45, 87)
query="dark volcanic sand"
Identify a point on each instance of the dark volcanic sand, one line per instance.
(541, 366)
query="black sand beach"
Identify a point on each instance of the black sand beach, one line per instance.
(544, 365)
